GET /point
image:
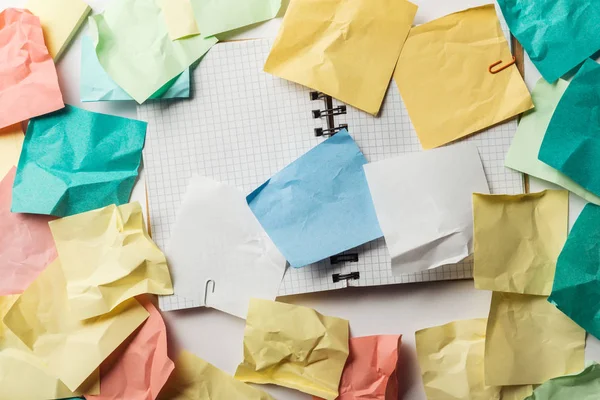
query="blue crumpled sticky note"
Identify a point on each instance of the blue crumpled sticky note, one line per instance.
(74, 160)
(572, 140)
(96, 85)
(319, 205)
(558, 35)
(577, 277)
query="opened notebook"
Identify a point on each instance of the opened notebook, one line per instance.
(243, 125)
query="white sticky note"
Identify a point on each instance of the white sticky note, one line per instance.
(219, 254)
(423, 204)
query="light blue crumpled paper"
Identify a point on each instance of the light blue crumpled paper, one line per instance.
(319, 205)
(75, 160)
(96, 85)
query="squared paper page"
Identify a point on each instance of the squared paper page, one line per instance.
(244, 125)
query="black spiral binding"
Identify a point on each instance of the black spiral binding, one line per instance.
(329, 114)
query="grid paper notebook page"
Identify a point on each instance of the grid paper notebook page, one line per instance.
(243, 125)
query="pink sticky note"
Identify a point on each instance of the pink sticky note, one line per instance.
(139, 369)
(26, 243)
(28, 80)
(371, 363)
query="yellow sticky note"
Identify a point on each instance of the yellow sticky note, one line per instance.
(72, 349)
(19, 368)
(179, 16)
(517, 240)
(530, 341)
(443, 77)
(451, 361)
(196, 379)
(107, 257)
(295, 347)
(11, 142)
(344, 48)
(61, 19)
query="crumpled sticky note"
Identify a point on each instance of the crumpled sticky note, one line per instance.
(319, 205)
(76, 160)
(140, 368)
(584, 385)
(424, 207)
(26, 244)
(370, 365)
(447, 89)
(525, 146)
(179, 16)
(107, 257)
(557, 34)
(217, 239)
(295, 347)
(196, 379)
(72, 349)
(451, 361)
(530, 341)
(11, 142)
(576, 280)
(218, 16)
(517, 240)
(28, 80)
(25, 377)
(346, 49)
(61, 19)
(96, 85)
(572, 144)
(134, 47)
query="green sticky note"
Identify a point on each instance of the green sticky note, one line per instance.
(75, 160)
(558, 35)
(218, 16)
(96, 85)
(134, 48)
(577, 277)
(572, 141)
(523, 153)
(582, 386)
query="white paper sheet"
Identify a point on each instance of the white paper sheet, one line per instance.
(423, 203)
(219, 254)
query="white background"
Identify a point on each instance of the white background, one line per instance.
(400, 309)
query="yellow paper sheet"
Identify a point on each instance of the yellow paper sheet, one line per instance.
(179, 16)
(11, 142)
(19, 368)
(516, 392)
(61, 19)
(530, 341)
(107, 257)
(195, 379)
(443, 77)
(344, 48)
(295, 347)
(72, 349)
(517, 240)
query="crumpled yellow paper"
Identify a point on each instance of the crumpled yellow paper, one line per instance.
(107, 257)
(530, 341)
(25, 377)
(345, 48)
(443, 77)
(517, 240)
(179, 16)
(295, 347)
(196, 379)
(11, 142)
(71, 349)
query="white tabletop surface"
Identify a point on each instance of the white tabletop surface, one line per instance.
(400, 309)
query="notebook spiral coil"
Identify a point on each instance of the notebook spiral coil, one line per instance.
(329, 113)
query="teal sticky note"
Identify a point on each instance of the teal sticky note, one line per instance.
(576, 286)
(582, 386)
(75, 160)
(96, 85)
(558, 35)
(572, 140)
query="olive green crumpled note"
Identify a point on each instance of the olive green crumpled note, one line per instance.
(582, 386)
